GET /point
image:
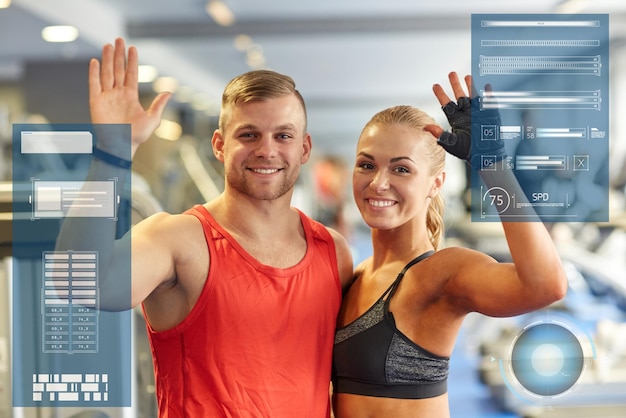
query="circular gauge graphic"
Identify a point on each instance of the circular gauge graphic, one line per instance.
(547, 359)
(497, 198)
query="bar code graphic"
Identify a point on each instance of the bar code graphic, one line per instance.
(71, 387)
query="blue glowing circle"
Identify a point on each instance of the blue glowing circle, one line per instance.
(547, 359)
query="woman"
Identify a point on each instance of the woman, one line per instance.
(401, 315)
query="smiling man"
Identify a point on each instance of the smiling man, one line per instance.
(240, 294)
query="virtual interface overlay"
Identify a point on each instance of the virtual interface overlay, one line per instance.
(54, 199)
(547, 77)
(546, 362)
(68, 352)
(71, 388)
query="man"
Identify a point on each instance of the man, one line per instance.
(240, 294)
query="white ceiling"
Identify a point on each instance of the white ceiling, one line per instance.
(349, 58)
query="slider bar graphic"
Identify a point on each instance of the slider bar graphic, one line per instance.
(540, 162)
(561, 133)
(540, 100)
(556, 65)
(540, 23)
(551, 43)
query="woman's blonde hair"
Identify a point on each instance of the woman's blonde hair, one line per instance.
(417, 119)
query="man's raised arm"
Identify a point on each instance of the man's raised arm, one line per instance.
(121, 125)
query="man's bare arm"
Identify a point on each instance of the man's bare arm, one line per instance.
(114, 102)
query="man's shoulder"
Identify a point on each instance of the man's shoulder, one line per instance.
(167, 223)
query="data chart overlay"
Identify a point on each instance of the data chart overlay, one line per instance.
(544, 81)
(69, 350)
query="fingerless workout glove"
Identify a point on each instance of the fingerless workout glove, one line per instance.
(465, 140)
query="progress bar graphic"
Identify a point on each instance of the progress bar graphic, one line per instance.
(561, 133)
(535, 64)
(540, 162)
(540, 23)
(531, 43)
(541, 100)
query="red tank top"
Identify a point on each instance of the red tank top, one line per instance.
(259, 340)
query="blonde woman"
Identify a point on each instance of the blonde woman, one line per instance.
(401, 315)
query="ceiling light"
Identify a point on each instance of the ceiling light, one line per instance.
(220, 12)
(184, 94)
(165, 84)
(169, 130)
(200, 101)
(572, 6)
(255, 61)
(4, 4)
(59, 33)
(242, 42)
(255, 57)
(147, 73)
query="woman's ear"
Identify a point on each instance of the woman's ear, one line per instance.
(438, 181)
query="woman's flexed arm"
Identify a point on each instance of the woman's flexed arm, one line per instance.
(536, 277)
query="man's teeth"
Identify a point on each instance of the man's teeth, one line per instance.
(265, 170)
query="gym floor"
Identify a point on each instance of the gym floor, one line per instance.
(468, 397)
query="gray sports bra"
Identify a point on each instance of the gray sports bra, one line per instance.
(372, 357)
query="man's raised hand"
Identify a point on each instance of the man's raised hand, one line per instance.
(114, 93)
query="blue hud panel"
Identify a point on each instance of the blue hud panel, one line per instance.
(67, 350)
(548, 78)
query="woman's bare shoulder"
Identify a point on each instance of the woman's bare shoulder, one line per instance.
(459, 256)
(453, 262)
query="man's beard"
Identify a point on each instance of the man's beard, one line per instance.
(267, 192)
